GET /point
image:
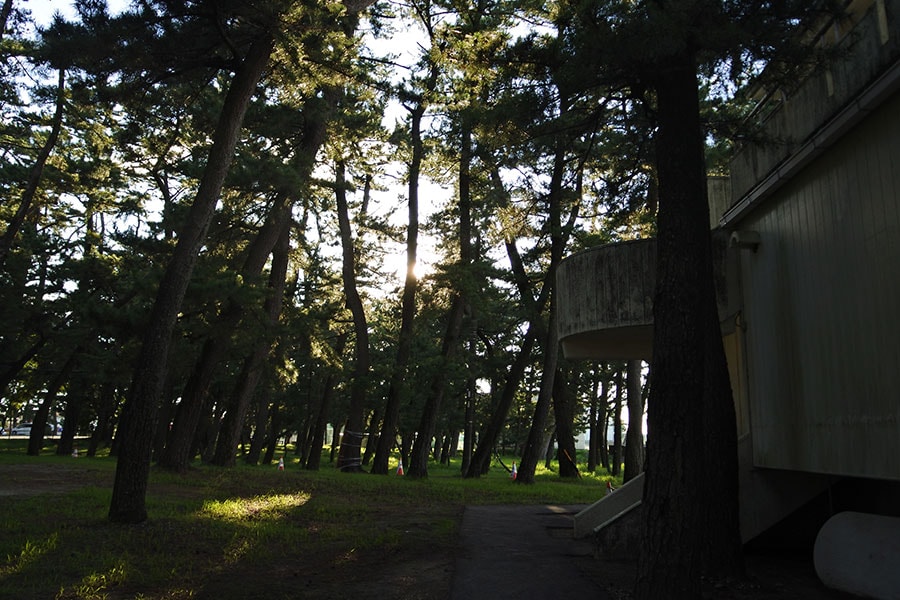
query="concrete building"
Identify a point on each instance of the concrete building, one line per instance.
(807, 233)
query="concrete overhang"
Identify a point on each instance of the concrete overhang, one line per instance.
(605, 301)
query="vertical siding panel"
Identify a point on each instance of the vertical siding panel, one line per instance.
(823, 325)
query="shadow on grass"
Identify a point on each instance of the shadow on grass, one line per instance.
(247, 532)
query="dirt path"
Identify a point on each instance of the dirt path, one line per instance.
(31, 480)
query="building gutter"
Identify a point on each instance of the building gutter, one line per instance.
(864, 103)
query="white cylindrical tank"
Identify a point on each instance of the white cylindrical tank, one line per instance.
(859, 553)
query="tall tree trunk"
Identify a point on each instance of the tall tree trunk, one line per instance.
(260, 426)
(275, 422)
(408, 303)
(603, 424)
(558, 237)
(634, 437)
(350, 456)
(418, 464)
(41, 416)
(534, 445)
(178, 452)
(76, 398)
(617, 423)
(128, 504)
(469, 421)
(690, 493)
(372, 435)
(335, 442)
(105, 412)
(481, 458)
(564, 409)
(594, 424)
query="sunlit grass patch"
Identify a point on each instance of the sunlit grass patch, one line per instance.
(96, 585)
(31, 553)
(270, 506)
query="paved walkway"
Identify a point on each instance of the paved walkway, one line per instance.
(522, 552)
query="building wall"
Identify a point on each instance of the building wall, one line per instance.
(821, 299)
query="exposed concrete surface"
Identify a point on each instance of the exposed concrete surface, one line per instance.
(523, 552)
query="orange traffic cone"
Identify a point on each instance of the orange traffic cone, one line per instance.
(609, 488)
(400, 468)
(75, 453)
(281, 464)
(514, 472)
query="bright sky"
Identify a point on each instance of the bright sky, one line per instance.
(402, 44)
(43, 10)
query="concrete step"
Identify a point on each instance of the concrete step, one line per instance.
(766, 497)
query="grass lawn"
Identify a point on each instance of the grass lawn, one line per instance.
(246, 532)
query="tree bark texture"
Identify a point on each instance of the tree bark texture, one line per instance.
(128, 504)
(634, 436)
(686, 498)
(350, 456)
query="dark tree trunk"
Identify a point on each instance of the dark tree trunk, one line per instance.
(105, 412)
(564, 409)
(617, 424)
(481, 458)
(166, 411)
(469, 423)
(39, 422)
(418, 466)
(594, 424)
(349, 458)
(549, 443)
(408, 304)
(75, 401)
(274, 430)
(4, 16)
(634, 437)
(603, 424)
(534, 444)
(405, 446)
(418, 463)
(260, 426)
(372, 435)
(335, 442)
(128, 504)
(551, 345)
(690, 492)
(178, 453)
